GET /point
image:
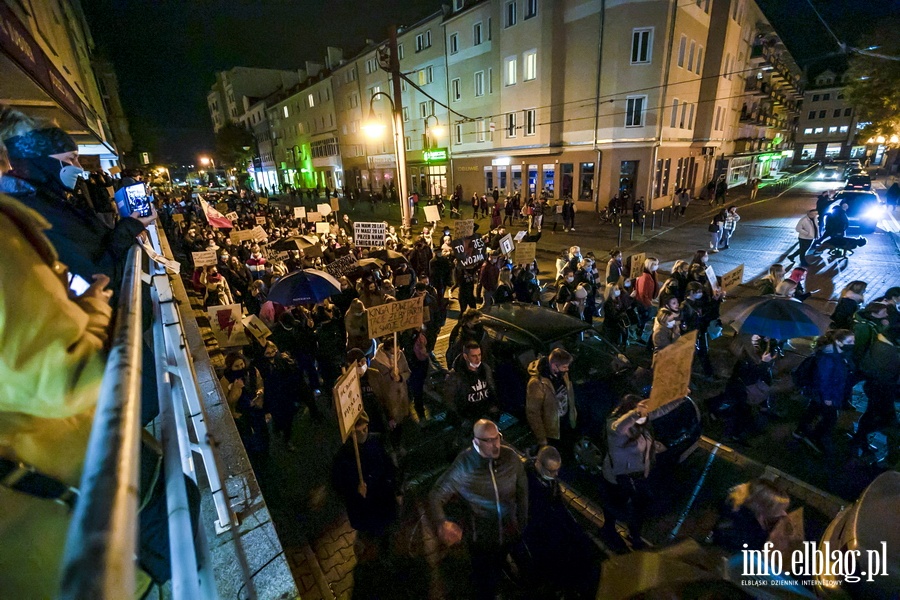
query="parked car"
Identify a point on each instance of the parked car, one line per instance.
(516, 334)
(860, 181)
(830, 173)
(853, 170)
(864, 208)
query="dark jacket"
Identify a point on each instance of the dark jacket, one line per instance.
(472, 394)
(379, 508)
(738, 527)
(494, 491)
(842, 317)
(441, 272)
(831, 380)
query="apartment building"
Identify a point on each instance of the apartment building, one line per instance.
(47, 70)
(238, 88)
(827, 125)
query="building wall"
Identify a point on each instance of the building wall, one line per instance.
(825, 135)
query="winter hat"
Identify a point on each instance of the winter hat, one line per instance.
(39, 142)
(355, 355)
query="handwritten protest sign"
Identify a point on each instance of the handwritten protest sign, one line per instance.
(335, 205)
(322, 227)
(506, 244)
(257, 328)
(205, 258)
(323, 209)
(394, 316)
(342, 265)
(178, 217)
(299, 212)
(368, 235)
(239, 235)
(258, 234)
(432, 214)
(711, 275)
(260, 220)
(463, 228)
(525, 253)
(232, 216)
(672, 371)
(636, 263)
(313, 217)
(520, 236)
(733, 278)
(347, 401)
(469, 251)
(225, 322)
(262, 200)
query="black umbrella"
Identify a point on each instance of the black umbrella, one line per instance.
(390, 257)
(295, 242)
(776, 317)
(308, 286)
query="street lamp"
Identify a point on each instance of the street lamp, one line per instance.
(374, 129)
(207, 161)
(436, 131)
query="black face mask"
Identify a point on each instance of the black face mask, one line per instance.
(232, 375)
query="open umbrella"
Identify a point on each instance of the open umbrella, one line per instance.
(390, 257)
(308, 286)
(295, 242)
(776, 317)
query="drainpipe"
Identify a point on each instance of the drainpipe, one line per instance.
(597, 108)
(662, 104)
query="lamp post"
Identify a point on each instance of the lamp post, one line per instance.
(375, 129)
(436, 131)
(207, 161)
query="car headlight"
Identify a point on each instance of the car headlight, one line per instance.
(873, 213)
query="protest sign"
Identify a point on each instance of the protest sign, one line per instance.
(335, 205)
(322, 227)
(672, 371)
(205, 258)
(260, 220)
(525, 252)
(313, 217)
(239, 235)
(257, 328)
(733, 278)
(520, 236)
(347, 401)
(506, 244)
(432, 214)
(368, 234)
(342, 265)
(232, 216)
(711, 275)
(469, 251)
(225, 322)
(258, 234)
(636, 264)
(402, 280)
(323, 209)
(299, 212)
(394, 316)
(262, 200)
(463, 228)
(178, 217)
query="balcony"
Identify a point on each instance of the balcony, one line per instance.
(757, 87)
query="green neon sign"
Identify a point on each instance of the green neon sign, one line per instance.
(438, 154)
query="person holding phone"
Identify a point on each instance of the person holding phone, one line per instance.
(244, 391)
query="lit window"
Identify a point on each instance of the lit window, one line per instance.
(844, 128)
(530, 66)
(511, 70)
(634, 111)
(479, 83)
(510, 13)
(819, 130)
(455, 94)
(285, 112)
(454, 43)
(476, 34)
(511, 125)
(832, 129)
(807, 131)
(682, 47)
(641, 45)
(530, 121)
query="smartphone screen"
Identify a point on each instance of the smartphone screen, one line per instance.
(138, 200)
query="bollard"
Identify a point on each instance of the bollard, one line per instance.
(619, 240)
(643, 224)
(632, 230)
(653, 222)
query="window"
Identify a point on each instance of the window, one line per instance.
(310, 100)
(403, 85)
(455, 94)
(530, 121)
(490, 78)
(641, 44)
(718, 124)
(457, 138)
(811, 115)
(826, 97)
(690, 66)
(511, 125)
(832, 129)
(454, 43)
(821, 114)
(407, 141)
(423, 41)
(815, 98)
(634, 111)
(530, 65)
(530, 8)
(479, 83)
(476, 34)
(726, 68)
(510, 14)
(285, 112)
(326, 94)
(400, 52)
(405, 113)
(489, 29)
(426, 75)
(511, 69)
(843, 128)
(681, 121)
(480, 127)
(351, 75)
(375, 89)
(682, 46)
(458, 4)
(704, 4)
(699, 59)
(371, 65)
(426, 108)
(674, 113)
(691, 117)
(848, 112)
(807, 131)
(837, 112)
(819, 130)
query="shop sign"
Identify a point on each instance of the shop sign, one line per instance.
(436, 155)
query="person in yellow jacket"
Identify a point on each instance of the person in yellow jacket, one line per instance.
(550, 400)
(51, 368)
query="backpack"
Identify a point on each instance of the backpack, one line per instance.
(803, 375)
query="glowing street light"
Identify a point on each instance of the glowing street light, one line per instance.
(207, 161)
(373, 128)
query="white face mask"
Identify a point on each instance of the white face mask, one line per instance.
(670, 324)
(361, 369)
(617, 293)
(627, 283)
(654, 267)
(570, 279)
(69, 175)
(641, 420)
(475, 365)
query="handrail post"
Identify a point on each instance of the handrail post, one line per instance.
(99, 556)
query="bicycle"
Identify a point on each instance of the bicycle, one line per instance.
(608, 216)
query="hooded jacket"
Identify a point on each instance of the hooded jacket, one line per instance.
(392, 395)
(541, 404)
(494, 490)
(471, 393)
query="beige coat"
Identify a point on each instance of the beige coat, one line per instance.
(541, 406)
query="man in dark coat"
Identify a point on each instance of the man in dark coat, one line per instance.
(283, 385)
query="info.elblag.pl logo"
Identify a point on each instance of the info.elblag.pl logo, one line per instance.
(814, 565)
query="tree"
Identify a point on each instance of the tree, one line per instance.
(230, 143)
(873, 85)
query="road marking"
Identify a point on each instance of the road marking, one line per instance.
(690, 504)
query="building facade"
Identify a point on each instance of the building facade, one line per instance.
(238, 88)
(827, 124)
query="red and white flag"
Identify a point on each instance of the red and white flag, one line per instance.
(215, 218)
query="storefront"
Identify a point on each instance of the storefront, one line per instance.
(382, 168)
(429, 177)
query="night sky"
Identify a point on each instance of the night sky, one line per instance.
(166, 52)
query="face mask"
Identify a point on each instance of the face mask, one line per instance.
(641, 420)
(654, 268)
(697, 296)
(617, 293)
(704, 260)
(224, 258)
(570, 279)
(69, 176)
(627, 284)
(547, 477)
(361, 369)
(475, 365)
(670, 324)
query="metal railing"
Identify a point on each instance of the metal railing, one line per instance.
(99, 556)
